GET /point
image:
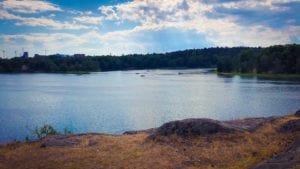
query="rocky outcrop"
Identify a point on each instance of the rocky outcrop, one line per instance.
(148, 131)
(297, 113)
(289, 159)
(193, 127)
(291, 126)
(249, 124)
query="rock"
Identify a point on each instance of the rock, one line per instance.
(131, 132)
(289, 159)
(249, 124)
(60, 141)
(193, 127)
(147, 131)
(291, 126)
(297, 113)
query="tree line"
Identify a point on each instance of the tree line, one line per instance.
(279, 59)
(273, 59)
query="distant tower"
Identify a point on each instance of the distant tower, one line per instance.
(16, 53)
(25, 55)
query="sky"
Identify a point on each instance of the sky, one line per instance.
(117, 27)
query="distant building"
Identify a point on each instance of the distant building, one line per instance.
(25, 55)
(79, 55)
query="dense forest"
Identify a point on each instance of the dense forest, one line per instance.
(274, 59)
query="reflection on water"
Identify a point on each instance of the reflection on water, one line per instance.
(114, 102)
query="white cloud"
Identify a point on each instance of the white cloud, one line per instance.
(191, 15)
(89, 19)
(52, 15)
(5, 15)
(108, 12)
(50, 23)
(150, 16)
(90, 43)
(28, 6)
(9, 8)
(37, 42)
(155, 11)
(272, 5)
(41, 21)
(131, 41)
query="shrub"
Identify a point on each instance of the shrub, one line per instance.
(44, 131)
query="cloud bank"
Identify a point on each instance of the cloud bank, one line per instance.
(142, 26)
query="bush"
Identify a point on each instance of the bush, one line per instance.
(44, 131)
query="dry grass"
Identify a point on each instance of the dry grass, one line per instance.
(231, 151)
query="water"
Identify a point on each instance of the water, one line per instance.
(114, 102)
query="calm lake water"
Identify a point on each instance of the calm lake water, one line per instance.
(114, 102)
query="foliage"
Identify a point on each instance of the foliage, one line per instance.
(67, 131)
(27, 139)
(274, 59)
(44, 131)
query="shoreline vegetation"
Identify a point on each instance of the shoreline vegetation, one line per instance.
(255, 143)
(279, 60)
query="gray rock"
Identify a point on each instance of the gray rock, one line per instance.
(289, 159)
(297, 113)
(60, 141)
(192, 127)
(148, 131)
(291, 126)
(249, 124)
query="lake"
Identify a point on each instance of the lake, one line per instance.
(114, 102)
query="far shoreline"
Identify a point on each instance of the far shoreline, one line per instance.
(212, 69)
(292, 77)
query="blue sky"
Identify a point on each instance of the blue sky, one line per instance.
(99, 27)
